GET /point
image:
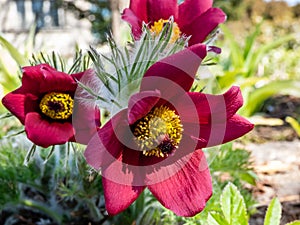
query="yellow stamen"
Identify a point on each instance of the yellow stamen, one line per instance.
(159, 132)
(158, 26)
(57, 106)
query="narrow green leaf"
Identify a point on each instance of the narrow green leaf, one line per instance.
(254, 59)
(273, 214)
(233, 206)
(50, 154)
(294, 123)
(250, 40)
(216, 219)
(236, 53)
(8, 80)
(259, 95)
(296, 222)
(29, 155)
(15, 54)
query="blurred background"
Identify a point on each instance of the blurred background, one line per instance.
(260, 44)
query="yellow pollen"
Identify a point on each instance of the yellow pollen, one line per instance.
(159, 132)
(57, 106)
(158, 26)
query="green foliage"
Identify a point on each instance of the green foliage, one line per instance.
(294, 123)
(234, 9)
(273, 214)
(256, 96)
(60, 189)
(244, 59)
(294, 223)
(81, 61)
(233, 210)
(241, 68)
(235, 162)
(232, 206)
(9, 66)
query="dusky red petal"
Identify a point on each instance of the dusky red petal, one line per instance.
(19, 103)
(135, 22)
(187, 191)
(46, 133)
(211, 108)
(219, 133)
(202, 26)
(78, 76)
(33, 76)
(56, 81)
(119, 197)
(140, 104)
(162, 9)
(191, 9)
(106, 145)
(85, 120)
(174, 74)
(139, 8)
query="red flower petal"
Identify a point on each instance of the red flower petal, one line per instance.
(33, 76)
(135, 22)
(140, 104)
(119, 197)
(219, 133)
(19, 103)
(162, 9)
(106, 146)
(175, 71)
(45, 133)
(78, 76)
(86, 121)
(86, 115)
(202, 26)
(139, 8)
(191, 9)
(211, 108)
(56, 81)
(186, 192)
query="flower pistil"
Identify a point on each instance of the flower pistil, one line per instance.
(57, 106)
(159, 132)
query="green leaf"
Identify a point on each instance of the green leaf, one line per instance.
(8, 80)
(252, 61)
(250, 41)
(296, 222)
(294, 123)
(273, 214)
(236, 52)
(233, 206)
(15, 54)
(259, 95)
(216, 219)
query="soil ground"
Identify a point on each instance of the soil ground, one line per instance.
(276, 156)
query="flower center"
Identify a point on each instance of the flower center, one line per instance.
(159, 132)
(57, 106)
(158, 26)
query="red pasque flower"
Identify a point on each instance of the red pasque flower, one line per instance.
(156, 141)
(192, 17)
(45, 104)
